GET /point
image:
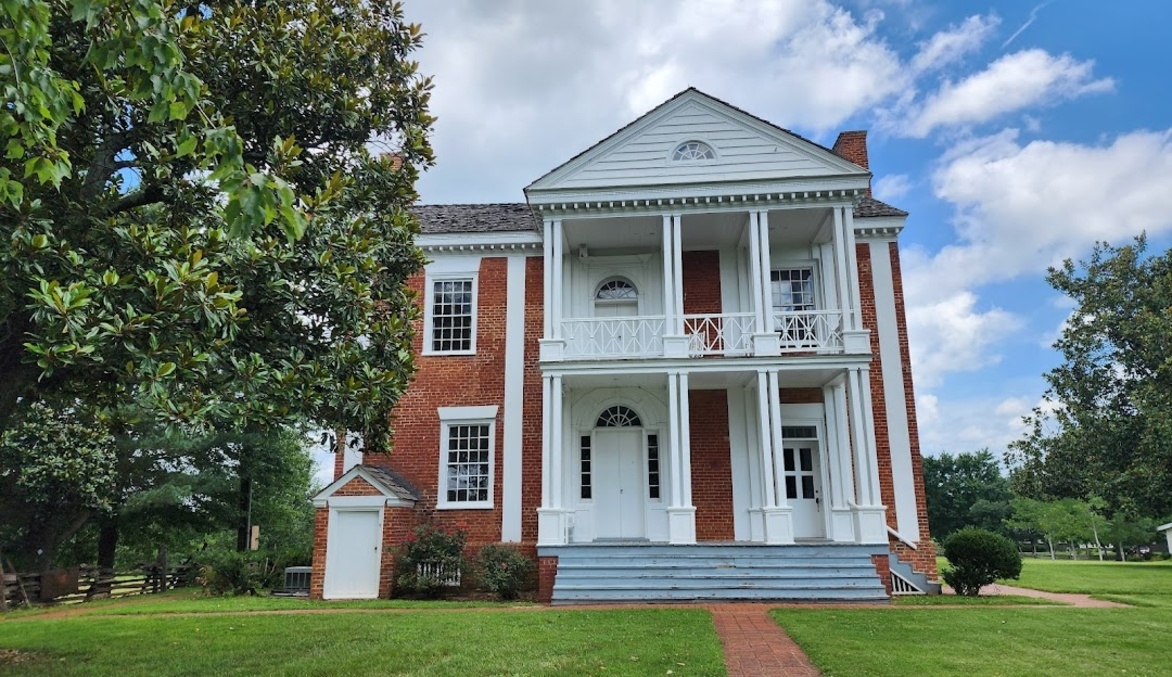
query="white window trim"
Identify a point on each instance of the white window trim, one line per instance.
(428, 311)
(670, 159)
(796, 264)
(450, 416)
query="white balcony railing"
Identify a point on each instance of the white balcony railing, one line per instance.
(809, 330)
(609, 337)
(728, 334)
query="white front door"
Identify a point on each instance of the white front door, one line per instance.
(352, 555)
(618, 483)
(803, 487)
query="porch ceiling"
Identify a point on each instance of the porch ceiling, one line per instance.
(704, 231)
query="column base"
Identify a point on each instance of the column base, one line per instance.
(870, 523)
(766, 345)
(551, 350)
(779, 525)
(552, 526)
(842, 525)
(681, 525)
(677, 346)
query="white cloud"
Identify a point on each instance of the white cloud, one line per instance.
(1014, 82)
(954, 43)
(892, 186)
(968, 424)
(522, 85)
(1019, 208)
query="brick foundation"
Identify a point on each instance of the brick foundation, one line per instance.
(547, 571)
(883, 568)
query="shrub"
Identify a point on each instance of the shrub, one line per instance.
(977, 558)
(237, 573)
(431, 556)
(502, 570)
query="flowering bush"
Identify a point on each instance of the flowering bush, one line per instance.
(502, 570)
(430, 559)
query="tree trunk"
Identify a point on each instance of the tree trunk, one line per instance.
(244, 506)
(107, 550)
(1098, 545)
(1050, 544)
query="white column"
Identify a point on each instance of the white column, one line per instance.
(557, 289)
(769, 488)
(546, 442)
(557, 477)
(673, 438)
(678, 275)
(778, 441)
(685, 441)
(669, 280)
(547, 282)
(840, 265)
(870, 514)
(842, 521)
(848, 214)
(755, 271)
(681, 515)
(766, 270)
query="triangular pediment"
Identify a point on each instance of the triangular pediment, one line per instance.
(744, 148)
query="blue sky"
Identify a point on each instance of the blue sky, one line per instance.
(1016, 134)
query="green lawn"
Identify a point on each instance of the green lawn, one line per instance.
(425, 642)
(989, 640)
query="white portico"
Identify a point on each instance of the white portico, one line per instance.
(702, 249)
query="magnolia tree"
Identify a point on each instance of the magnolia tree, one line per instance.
(203, 210)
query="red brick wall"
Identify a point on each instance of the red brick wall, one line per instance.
(852, 146)
(801, 395)
(531, 410)
(878, 396)
(923, 559)
(701, 282)
(454, 380)
(711, 465)
(397, 524)
(357, 487)
(317, 575)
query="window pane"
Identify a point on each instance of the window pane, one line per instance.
(653, 466)
(451, 313)
(791, 487)
(807, 486)
(788, 455)
(806, 458)
(468, 460)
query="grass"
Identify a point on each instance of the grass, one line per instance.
(959, 600)
(425, 642)
(194, 602)
(996, 640)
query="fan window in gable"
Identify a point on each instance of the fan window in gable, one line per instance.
(617, 289)
(692, 151)
(618, 417)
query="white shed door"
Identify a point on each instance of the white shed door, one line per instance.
(353, 547)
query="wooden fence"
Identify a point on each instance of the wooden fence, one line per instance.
(82, 584)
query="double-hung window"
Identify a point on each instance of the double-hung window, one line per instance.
(467, 457)
(451, 316)
(793, 305)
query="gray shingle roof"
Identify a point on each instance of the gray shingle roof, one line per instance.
(869, 206)
(472, 218)
(392, 481)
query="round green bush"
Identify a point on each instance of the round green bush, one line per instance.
(502, 570)
(977, 557)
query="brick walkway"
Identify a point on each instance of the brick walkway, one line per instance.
(755, 646)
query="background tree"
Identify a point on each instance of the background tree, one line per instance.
(967, 489)
(56, 471)
(1108, 428)
(162, 162)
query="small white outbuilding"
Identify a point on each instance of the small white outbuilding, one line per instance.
(1166, 529)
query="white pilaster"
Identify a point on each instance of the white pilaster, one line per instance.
(769, 487)
(681, 514)
(551, 518)
(512, 467)
(870, 514)
(842, 523)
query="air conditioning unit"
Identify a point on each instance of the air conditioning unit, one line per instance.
(297, 580)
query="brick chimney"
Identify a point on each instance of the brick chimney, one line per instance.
(852, 146)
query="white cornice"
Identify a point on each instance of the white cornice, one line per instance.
(475, 242)
(736, 198)
(878, 227)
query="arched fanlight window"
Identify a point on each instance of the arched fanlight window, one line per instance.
(692, 151)
(616, 289)
(618, 416)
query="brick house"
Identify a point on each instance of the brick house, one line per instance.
(680, 370)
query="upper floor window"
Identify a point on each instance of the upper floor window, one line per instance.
(793, 290)
(691, 151)
(451, 316)
(616, 297)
